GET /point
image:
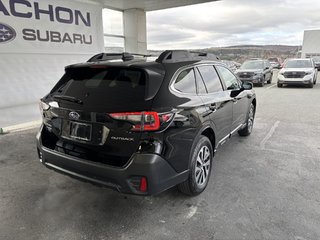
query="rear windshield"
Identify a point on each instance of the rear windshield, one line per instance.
(298, 64)
(273, 59)
(95, 85)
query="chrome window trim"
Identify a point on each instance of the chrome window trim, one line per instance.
(193, 66)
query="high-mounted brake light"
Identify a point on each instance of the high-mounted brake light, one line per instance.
(143, 121)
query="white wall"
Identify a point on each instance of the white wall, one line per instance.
(29, 68)
(25, 78)
(311, 43)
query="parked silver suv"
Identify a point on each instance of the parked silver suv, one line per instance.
(299, 72)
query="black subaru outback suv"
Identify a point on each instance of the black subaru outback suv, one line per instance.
(143, 127)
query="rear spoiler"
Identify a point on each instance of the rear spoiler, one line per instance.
(173, 56)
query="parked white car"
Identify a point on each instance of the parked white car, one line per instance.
(298, 72)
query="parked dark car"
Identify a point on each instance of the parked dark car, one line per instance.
(231, 65)
(256, 71)
(143, 127)
(316, 61)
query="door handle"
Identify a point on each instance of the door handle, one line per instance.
(235, 100)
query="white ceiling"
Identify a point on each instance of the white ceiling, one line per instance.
(148, 5)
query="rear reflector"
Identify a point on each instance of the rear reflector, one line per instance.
(139, 184)
(143, 184)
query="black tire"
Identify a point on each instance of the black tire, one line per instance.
(192, 186)
(270, 80)
(249, 123)
(310, 85)
(279, 85)
(262, 82)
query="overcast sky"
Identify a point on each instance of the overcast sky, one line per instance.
(232, 22)
(225, 23)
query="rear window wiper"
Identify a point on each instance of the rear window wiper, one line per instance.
(68, 98)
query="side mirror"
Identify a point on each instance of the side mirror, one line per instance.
(235, 92)
(247, 86)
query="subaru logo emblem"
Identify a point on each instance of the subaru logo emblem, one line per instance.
(7, 33)
(74, 115)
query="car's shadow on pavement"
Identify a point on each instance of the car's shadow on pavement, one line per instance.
(293, 86)
(68, 205)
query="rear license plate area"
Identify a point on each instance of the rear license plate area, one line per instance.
(80, 131)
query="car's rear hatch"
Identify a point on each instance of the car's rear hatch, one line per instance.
(95, 112)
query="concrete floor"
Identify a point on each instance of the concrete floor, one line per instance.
(266, 186)
(19, 114)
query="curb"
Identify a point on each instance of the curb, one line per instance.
(20, 127)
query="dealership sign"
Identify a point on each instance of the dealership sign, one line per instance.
(44, 26)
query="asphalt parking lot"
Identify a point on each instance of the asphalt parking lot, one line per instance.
(266, 186)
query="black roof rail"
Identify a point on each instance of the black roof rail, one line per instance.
(125, 56)
(172, 56)
(111, 56)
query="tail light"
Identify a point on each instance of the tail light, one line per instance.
(144, 121)
(43, 106)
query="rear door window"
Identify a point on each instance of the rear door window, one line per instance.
(186, 82)
(200, 84)
(210, 78)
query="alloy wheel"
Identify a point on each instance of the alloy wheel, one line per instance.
(251, 119)
(202, 168)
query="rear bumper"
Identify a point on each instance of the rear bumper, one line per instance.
(159, 173)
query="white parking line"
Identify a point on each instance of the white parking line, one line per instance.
(192, 211)
(269, 135)
(271, 86)
(20, 127)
